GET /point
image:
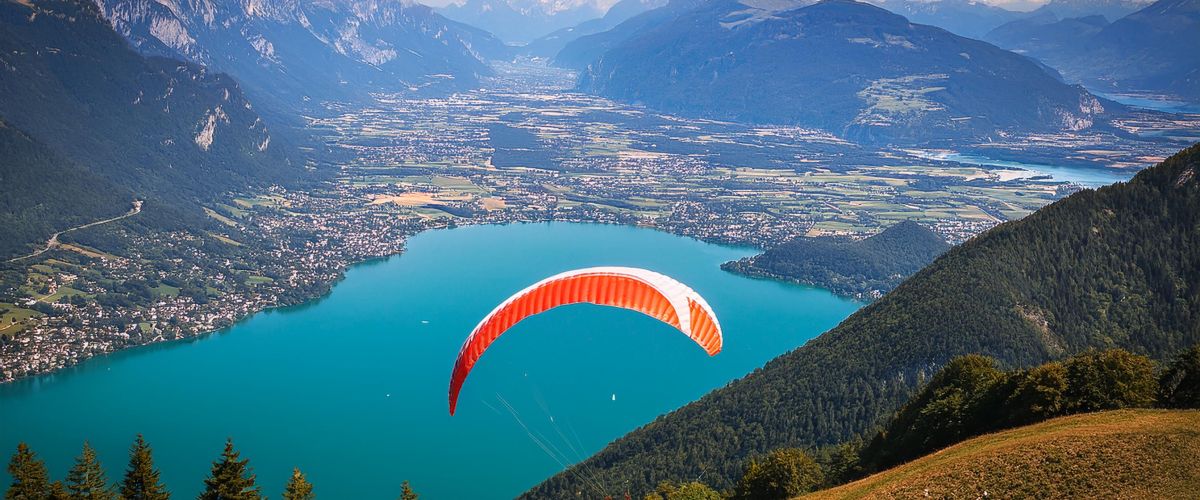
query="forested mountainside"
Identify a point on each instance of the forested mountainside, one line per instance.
(1151, 50)
(1100, 268)
(45, 193)
(851, 68)
(863, 268)
(153, 128)
(1045, 34)
(293, 55)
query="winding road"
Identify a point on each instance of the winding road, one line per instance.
(53, 241)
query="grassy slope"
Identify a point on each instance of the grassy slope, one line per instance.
(1116, 454)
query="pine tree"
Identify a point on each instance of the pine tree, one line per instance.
(141, 479)
(406, 492)
(58, 491)
(29, 478)
(86, 481)
(298, 488)
(231, 478)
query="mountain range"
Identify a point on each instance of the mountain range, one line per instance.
(1110, 9)
(293, 54)
(1151, 50)
(967, 18)
(1113, 267)
(854, 69)
(92, 125)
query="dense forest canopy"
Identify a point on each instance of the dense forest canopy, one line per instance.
(862, 268)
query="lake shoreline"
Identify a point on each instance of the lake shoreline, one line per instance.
(379, 350)
(326, 288)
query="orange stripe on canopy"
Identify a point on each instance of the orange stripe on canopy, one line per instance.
(647, 292)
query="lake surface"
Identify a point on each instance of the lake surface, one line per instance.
(1088, 177)
(1153, 102)
(352, 388)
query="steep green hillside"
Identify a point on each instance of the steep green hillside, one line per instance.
(864, 268)
(1112, 267)
(45, 193)
(1115, 454)
(161, 130)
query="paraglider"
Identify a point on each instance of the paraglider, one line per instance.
(647, 292)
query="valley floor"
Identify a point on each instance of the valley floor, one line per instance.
(523, 148)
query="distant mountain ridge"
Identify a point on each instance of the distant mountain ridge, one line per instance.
(550, 45)
(518, 21)
(1113, 267)
(967, 18)
(294, 53)
(1151, 50)
(1110, 9)
(856, 70)
(582, 51)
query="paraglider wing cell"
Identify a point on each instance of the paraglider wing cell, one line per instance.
(648, 292)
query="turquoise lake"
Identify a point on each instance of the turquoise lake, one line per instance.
(352, 388)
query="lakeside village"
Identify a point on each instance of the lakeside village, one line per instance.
(486, 157)
(281, 248)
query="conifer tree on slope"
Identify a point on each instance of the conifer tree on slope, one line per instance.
(298, 487)
(406, 492)
(231, 478)
(29, 478)
(141, 478)
(86, 480)
(58, 491)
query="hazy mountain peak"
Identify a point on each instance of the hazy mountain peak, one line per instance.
(291, 51)
(525, 20)
(848, 67)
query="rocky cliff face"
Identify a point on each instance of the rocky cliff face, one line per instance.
(295, 52)
(91, 117)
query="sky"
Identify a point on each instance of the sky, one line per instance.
(1019, 5)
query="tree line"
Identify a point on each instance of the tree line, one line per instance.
(231, 478)
(969, 397)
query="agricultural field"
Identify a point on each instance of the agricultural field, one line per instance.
(526, 149)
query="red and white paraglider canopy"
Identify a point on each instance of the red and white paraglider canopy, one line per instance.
(647, 292)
